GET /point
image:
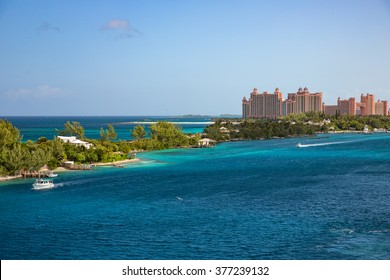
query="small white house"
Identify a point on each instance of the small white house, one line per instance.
(68, 164)
(73, 140)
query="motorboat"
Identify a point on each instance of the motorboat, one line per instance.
(41, 184)
(51, 174)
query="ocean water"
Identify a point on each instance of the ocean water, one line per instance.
(241, 200)
(34, 127)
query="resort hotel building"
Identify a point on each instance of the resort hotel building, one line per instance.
(264, 105)
(272, 105)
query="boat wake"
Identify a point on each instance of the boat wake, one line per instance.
(299, 145)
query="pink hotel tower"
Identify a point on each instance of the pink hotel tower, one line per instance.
(272, 105)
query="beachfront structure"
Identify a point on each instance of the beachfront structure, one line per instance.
(262, 105)
(68, 164)
(206, 143)
(73, 140)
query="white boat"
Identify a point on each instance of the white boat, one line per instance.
(366, 130)
(41, 184)
(299, 145)
(51, 174)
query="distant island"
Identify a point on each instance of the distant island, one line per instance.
(194, 116)
(234, 116)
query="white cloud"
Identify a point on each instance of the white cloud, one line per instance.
(120, 26)
(40, 92)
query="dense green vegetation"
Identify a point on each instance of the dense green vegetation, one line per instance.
(139, 132)
(17, 157)
(337, 122)
(108, 134)
(257, 129)
(163, 135)
(72, 129)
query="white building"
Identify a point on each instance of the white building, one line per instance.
(73, 140)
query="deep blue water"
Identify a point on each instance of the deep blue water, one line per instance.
(240, 200)
(34, 127)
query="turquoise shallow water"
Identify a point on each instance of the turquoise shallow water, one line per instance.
(240, 200)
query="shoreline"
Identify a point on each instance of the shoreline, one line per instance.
(63, 169)
(9, 177)
(114, 163)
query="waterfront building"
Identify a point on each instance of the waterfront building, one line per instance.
(206, 143)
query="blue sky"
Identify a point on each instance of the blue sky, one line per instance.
(186, 57)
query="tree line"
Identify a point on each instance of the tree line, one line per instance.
(258, 129)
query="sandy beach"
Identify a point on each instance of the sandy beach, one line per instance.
(117, 162)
